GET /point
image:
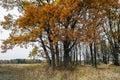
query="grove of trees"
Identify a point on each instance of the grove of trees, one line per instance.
(65, 31)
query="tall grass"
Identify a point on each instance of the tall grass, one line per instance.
(40, 72)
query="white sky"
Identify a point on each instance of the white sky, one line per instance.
(17, 52)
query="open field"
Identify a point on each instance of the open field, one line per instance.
(39, 72)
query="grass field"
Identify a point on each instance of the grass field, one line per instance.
(39, 72)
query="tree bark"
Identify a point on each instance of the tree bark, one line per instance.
(91, 51)
(95, 55)
(57, 55)
(66, 54)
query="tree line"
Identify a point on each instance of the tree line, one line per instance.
(65, 31)
(20, 61)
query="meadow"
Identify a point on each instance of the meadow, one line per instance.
(40, 72)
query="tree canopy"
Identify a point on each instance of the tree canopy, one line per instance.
(60, 26)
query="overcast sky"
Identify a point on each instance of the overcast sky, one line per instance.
(17, 52)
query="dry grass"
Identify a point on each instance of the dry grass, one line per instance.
(39, 72)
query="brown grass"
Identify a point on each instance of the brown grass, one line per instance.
(40, 72)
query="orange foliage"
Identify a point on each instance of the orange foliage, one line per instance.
(66, 19)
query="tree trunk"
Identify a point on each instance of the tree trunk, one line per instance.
(79, 54)
(105, 58)
(57, 55)
(53, 61)
(76, 51)
(46, 52)
(66, 60)
(116, 59)
(95, 56)
(91, 51)
(66, 55)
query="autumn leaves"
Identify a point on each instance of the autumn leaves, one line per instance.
(65, 23)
